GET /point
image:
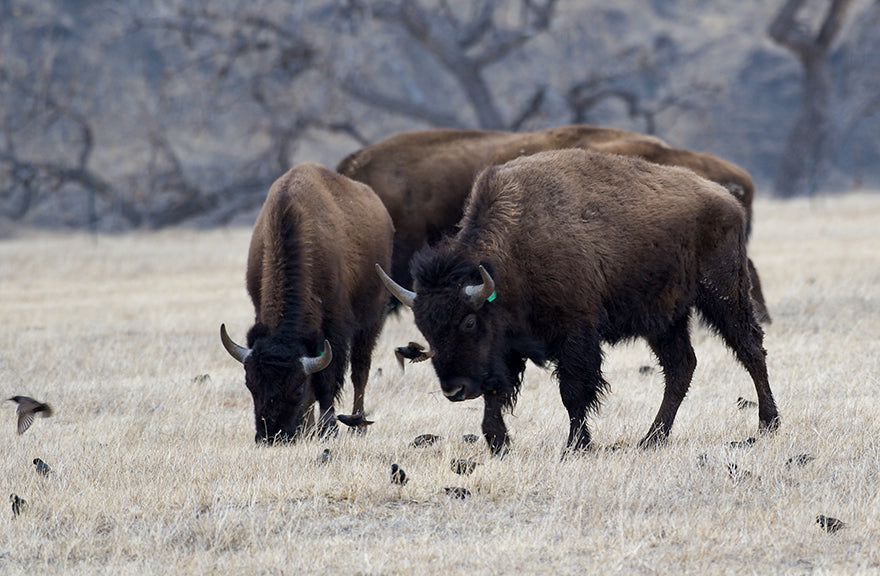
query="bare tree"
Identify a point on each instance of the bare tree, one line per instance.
(465, 41)
(806, 152)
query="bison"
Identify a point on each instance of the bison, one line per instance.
(310, 277)
(424, 177)
(561, 251)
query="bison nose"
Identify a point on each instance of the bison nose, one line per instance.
(455, 389)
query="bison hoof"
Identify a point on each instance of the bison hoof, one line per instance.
(770, 425)
(655, 439)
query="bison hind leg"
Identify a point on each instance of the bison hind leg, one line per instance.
(731, 314)
(676, 355)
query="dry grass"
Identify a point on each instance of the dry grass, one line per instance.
(156, 470)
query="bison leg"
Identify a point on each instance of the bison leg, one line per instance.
(735, 321)
(676, 355)
(761, 312)
(361, 356)
(581, 384)
(325, 384)
(494, 429)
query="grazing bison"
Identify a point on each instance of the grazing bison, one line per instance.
(561, 251)
(424, 177)
(315, 294)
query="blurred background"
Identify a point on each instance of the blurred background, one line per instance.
(143, 114)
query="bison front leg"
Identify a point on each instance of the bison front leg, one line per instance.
(579, 370)
(361, 354)
(494, 429)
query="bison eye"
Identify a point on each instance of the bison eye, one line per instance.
(469, 324)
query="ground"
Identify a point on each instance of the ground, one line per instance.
(155, 469)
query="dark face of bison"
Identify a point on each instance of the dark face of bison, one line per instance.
(277, 372)
(454, 308)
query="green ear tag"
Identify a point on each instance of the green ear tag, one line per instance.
(491, 297)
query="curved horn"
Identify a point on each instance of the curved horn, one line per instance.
(481, 292)
(240, 353)
(405, 296)
(318, 363)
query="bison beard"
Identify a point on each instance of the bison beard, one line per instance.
(585, 248)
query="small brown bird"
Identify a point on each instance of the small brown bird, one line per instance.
(414, 352)
(458, 492)
(744, 404)
(354, 420)
(423, 440)
(18, 504)
(470, 438)
(463, 467)
(800, 460)
(829, 524)
(743, 443)
(398, 476)
(43, 469)
(325, 456)
(28, 408)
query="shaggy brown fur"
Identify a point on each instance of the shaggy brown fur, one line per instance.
(586, 248)
(424, 177)
(310, 277)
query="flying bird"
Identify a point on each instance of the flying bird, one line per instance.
(414, 352)
(43, 469)
(28, 408)
(398, 476)
(18, 504)
(829, 524)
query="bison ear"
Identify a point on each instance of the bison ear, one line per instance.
(478, 294)
(316, 364)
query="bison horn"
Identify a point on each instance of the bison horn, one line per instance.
(318, 363)
(405, 296)
(481, 292)
(240, 353)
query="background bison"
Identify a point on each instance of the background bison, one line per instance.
(560, 251)
(315, 296)
(424, 177)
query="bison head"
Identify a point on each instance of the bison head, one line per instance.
(453, 308)
(277, 371)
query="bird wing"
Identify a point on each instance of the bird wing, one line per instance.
(25, 419)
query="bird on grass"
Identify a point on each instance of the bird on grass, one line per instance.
(470, 438)
(398, 476)
(463, 466)
(800, 460)
(457, 492)
(354, 420)
(744, 404)
(423, 440)
(325, 456)
(736, 473)
(18, 504)
(43, 469)
(829, 524)
(28, 409)
(743, 443)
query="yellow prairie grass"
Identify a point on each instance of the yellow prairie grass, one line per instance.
(155, 469)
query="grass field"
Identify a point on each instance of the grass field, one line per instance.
(156, 471)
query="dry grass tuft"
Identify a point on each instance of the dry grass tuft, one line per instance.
(155, 469)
